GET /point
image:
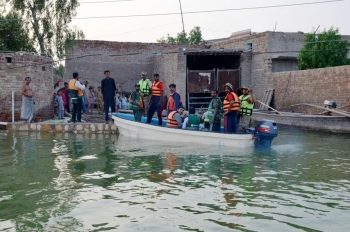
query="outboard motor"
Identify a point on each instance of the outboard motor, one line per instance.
(265, 131)
(330, 104)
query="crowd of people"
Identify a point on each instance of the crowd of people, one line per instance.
(233, 112)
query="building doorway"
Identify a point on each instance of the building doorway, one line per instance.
(208, 71)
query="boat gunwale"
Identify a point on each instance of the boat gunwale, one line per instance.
(204, 134)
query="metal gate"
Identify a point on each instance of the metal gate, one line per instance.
(201, 82)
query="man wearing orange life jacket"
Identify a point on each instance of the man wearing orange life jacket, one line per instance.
(231, 108)
(175, 119)
(75, 89)
(155, 103)
(174, 99)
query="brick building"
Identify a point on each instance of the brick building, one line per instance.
(244, 59)
(14, 67)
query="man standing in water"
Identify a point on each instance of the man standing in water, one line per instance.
(27, 109)
(108, 89)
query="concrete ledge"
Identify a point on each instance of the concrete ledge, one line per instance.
(77, 128)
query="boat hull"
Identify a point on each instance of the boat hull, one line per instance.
(150, 132)
(335, 124)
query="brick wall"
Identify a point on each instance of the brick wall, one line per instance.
(253, 63)
(312, 86)
(167, 67)
(256, 66)
(126, 60)
(39, 68)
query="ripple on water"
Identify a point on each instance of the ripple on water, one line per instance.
(84, 184)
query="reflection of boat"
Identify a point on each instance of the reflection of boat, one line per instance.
(339, 124)
(128, 127)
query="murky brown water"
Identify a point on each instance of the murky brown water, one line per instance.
(102, 183)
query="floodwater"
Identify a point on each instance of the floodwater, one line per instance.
(104, 183)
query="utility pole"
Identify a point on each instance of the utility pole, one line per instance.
(182, 17)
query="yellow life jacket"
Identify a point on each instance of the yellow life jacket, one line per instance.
(72, 87)
(144, 87)
(246, 107)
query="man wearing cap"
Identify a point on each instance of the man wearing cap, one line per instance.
(75, 90)
(136, 103)
(27, 108)
(174, 99)
(108, 89)
(145, 89)
(155, 101)
(246, 108)
(231, 107)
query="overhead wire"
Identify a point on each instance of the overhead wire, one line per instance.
(158, 53)
(210, 11)
(199, 11)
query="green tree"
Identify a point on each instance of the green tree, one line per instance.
(13, 36)
(194, 37)
(326, 49)
(59, 71)
(47, 22)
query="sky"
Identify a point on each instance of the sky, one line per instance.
(214, 25)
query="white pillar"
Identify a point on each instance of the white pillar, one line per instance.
(13, 106)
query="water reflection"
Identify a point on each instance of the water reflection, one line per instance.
(105, 183)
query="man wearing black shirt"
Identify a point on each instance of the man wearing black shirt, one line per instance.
(108, 89)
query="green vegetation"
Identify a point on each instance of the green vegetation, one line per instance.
(47, 23)
(326, 49)
(13, 36)
(194, 37)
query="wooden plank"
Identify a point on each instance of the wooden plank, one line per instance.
(274, 110)
(323, 108)
(266, 99)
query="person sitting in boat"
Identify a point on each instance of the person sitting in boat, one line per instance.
(174, 118)
(191, 122)
(136, 103)
(174, 99)
(231, 108)
(247, 101)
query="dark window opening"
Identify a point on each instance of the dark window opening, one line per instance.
(43, 68)
(8, 59)
(249, 47)
(206, 62)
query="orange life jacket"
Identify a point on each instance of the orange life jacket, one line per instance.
(171, 103)
(235, 106)
(156, 91)
(71, 86)
(171, 122)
